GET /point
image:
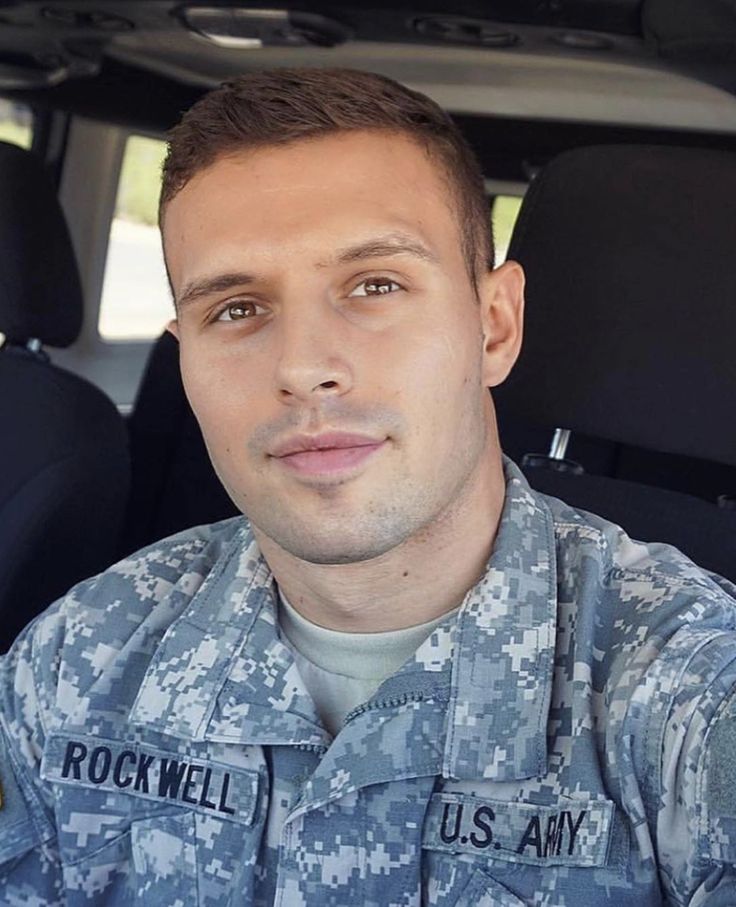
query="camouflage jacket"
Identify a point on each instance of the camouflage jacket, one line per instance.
(569, 738)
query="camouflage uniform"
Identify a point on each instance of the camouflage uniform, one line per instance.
(569, 738)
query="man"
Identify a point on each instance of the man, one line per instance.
(404, 678)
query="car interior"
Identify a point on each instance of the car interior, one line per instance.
(606, 130)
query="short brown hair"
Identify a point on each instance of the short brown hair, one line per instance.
(275, 107)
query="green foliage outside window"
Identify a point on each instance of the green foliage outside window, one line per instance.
(140, 180)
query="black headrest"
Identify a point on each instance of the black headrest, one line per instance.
(631, 299)
(40, 291)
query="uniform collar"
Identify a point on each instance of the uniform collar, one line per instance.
(493, 663)
(222, 673)
(503, 654)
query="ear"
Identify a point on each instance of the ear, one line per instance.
(501, 294)
(173, 328)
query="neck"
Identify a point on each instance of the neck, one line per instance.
(417, 581)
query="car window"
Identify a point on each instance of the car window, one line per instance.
(16, 123)
(136, 301)
(504, 211)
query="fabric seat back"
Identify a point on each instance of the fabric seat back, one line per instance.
(630, 325)
(64, 463)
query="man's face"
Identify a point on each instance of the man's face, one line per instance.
(331, 340)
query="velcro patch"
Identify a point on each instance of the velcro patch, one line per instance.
(722, 767)
(111, 765)
(719, 801)
(572, 833)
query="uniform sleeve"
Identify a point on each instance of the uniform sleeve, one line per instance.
(696, 820)
(29, 865)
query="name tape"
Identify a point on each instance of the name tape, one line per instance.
(111, 765)
(573, 833)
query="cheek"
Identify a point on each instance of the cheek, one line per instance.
(222, 394)
(439, 368)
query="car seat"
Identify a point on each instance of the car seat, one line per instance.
(64, 463)
(629, 330)
(174, 485)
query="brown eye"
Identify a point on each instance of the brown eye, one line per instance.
(237, 311)
(375, 286)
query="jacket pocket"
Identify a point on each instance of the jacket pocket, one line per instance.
(164, 857)
(483, 891)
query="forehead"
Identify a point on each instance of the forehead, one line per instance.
(306, 196)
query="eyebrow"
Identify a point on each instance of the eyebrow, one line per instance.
(196, 289)
(383, 246)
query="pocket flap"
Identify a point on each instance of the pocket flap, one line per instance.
(483, 891)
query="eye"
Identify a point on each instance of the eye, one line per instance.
(375, 286)
(239, 311)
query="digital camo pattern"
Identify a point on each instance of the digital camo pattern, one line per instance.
(567, 739)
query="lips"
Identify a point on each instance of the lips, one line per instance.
(334, 440)
(327, 453)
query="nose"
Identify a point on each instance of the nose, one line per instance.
(313, 361)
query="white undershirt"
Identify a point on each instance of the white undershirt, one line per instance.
(342, 670)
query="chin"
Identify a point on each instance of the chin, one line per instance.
(336, 545)
(334, 554)
(347, 535)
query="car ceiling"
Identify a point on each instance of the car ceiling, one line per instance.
(542, 74)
